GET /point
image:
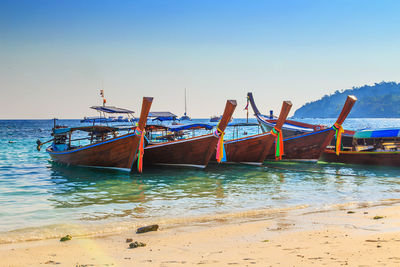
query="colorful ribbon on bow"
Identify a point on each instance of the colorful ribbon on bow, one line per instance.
(247, 105)
(220, 155)
(338, 136)
(278, 143)
(140, 133)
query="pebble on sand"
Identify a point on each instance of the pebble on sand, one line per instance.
(65, 238)
(136, 244)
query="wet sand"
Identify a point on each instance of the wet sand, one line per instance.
(344, 236)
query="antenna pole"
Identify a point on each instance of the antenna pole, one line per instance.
(185, 101)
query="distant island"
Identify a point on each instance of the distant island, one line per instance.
(381, 100)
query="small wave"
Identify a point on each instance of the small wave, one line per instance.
(355, 205)
(101, 229)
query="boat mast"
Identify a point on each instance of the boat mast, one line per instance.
(185, 101)
(104, 103)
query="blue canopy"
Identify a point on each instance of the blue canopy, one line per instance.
(177, 128)
(378, 133)
(162, 116)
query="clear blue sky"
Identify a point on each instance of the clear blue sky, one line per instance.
(54, 55)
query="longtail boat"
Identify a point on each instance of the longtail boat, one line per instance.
(106, 148)
(254, 149)
(292, 127)
(189, 152)
(370, 147)
(310, 146)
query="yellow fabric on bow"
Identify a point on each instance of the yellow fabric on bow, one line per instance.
(338, 135)
(220, 155)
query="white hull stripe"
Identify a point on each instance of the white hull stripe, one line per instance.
(101, 167)
(181, 165)
(252, 163)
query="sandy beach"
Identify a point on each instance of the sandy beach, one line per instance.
(343, 236)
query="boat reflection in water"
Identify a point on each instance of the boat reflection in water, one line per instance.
(160, 193)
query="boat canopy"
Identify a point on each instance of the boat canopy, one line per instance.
(242, 124)
(378, 133)
(95, 129)
(162, 116)
(112, 109)
(192, 126)
(177, 128)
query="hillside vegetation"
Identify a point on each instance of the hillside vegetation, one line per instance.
(381, 100)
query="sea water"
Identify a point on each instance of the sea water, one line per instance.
(40, 199)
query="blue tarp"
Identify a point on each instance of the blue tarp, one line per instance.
(177, 128)
(378, 133)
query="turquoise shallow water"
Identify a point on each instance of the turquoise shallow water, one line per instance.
(38, 198)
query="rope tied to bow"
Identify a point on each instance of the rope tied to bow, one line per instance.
(338, 136)
(220, 155)
(140, 133)
(278, 143)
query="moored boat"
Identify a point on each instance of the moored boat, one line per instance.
(185, 117)
(289, 128)
(106, 148)
(370, 147)
(292, 127)
(254, 149)
(310, 146)
(215, 118)
(188, 152)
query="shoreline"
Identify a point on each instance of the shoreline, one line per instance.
(347, 235)
(93, 229)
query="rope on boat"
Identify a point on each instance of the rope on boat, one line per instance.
(338, 135)
(317, 172)
(140, 133)
(220, 154)
(278, 143)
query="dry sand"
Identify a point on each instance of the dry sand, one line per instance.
(294, 238)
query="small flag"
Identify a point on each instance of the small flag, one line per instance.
(101, 93)
(247, 105)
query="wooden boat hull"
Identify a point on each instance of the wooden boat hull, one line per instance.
(249, 150)
(306, 147)
(190, 152)
(117, 153)
(363, 158)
